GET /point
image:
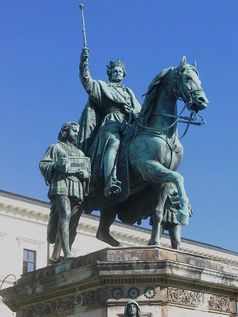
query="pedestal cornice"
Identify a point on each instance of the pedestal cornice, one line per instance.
(158, 276)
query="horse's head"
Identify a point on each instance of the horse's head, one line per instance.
(189, 86)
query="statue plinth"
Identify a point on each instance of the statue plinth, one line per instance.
(163, 281)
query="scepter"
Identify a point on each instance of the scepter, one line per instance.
(83, 25)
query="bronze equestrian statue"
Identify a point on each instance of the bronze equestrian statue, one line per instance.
(153, 152)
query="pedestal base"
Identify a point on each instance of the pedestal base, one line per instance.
(165, 283)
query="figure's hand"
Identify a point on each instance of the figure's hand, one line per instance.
(63, 160)
(134, 114)
(84, 175)
(84, 54)
(127, 108)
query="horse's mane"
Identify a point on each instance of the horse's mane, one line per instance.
(151, 94)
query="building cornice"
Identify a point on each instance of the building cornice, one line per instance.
(34, 241)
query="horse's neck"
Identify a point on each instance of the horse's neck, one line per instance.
(165, 104)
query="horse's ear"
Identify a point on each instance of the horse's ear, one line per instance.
(182, 64)
(195, 64)
(184, 60)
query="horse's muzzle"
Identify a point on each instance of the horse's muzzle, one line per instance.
(199, 102)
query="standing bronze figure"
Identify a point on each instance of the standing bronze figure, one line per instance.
(66, 171)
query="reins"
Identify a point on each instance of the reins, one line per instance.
(187, 98)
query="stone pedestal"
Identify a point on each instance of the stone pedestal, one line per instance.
(165, 283)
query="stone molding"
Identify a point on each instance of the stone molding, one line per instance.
(198, 299)
(64, 304)
(91, 299)
(182, 296)
(3, 235)
(29, 214)
(219, 303)
(145, 292)
(36, 242)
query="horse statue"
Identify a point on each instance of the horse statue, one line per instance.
(154, 153)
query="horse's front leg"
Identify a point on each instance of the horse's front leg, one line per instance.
(157, 214)
(154, 172)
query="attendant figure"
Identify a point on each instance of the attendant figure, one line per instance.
(68, 186)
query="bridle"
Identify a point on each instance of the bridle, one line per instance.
(187, 97)
(187, 94)
(179, 89)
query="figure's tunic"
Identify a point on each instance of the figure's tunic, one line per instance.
(60, 182)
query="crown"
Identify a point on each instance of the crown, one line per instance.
(115, 63)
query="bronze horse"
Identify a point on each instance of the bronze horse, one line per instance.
(155, 152)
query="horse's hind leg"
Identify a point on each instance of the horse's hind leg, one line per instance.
(160, 193)
(103, 233)
(154, 172)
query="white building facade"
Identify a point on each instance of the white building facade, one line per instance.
(23, 245)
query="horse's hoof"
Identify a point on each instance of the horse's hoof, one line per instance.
(108, 239)
(152, 242)
(66, 258)
(52, 261)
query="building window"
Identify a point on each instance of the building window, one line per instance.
(29, 260)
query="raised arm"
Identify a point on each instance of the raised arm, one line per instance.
(84, 73)
(91, 86)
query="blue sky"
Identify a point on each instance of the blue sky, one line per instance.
(41, 42)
